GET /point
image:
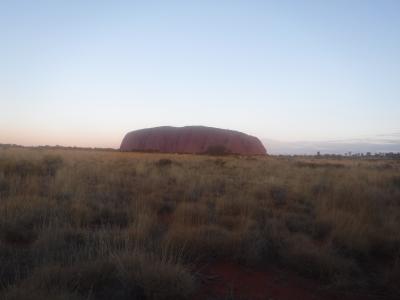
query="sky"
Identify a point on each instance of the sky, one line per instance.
(83, 73)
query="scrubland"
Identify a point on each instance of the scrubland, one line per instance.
(78, 224)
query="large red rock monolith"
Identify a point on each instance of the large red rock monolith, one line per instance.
(192, 139)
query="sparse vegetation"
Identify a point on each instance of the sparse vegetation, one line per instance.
(77, 224)
(217, 150)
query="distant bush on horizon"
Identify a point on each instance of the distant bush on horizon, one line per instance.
(217, 150)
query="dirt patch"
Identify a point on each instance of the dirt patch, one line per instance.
(227, 280)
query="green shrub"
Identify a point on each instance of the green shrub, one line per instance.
(4, 187)
(164, 162)
(51, 163)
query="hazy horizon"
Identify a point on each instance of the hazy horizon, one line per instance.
(377, 144)
(299, 75)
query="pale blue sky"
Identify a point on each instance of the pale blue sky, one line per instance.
(86, 72)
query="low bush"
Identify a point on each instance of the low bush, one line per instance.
(217, 150)
(163, 162)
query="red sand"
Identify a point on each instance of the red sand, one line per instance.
(226, 279)
(229, 280)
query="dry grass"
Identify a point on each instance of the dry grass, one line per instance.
(101, 225)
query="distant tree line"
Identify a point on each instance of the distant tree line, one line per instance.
(57, 147)
(358, 155)
(221, 150)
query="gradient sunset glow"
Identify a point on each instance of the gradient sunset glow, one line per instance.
(83, 73)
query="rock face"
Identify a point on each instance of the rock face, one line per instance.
(192, 139)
